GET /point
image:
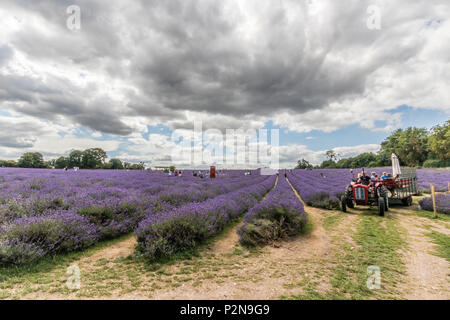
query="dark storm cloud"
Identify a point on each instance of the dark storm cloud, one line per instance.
(18, 134)
(187, 55)
(202, 64)
(233, 58)
(36, 98)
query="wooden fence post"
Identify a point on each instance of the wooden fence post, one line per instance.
(433, 196)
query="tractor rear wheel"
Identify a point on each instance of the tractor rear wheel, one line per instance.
(381, 207)
(344, 204)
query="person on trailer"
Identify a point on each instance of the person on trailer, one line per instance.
(373, 177)
(384, 176)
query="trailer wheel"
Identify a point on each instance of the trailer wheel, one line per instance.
(381, 207)
(344, 204)
(407, 201)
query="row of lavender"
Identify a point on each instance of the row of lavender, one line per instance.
(442, 203)
(439, 178)
(322, 188)
(278, 216)
(51, 211)
(184, 228)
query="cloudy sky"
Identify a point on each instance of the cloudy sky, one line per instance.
(328, 74)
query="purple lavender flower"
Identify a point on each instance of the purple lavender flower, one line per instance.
(442, 203)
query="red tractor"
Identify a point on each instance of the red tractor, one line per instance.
(379, 192)
(365, 192)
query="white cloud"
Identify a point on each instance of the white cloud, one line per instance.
(24, 133)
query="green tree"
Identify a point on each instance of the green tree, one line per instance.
(331, 155)
(8, 163)
(303, 164)
(328, 164)
(134, 166)
(137, 166)
(61, 162)
(363, 160)
(93, 158)
(439, 142)
(115, 164)
(410, 145)
(367, 160)
(383, 160)
(345, 163)
(76, 159)
(31, 160)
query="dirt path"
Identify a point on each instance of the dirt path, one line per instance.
(121, 249)
(428, 276)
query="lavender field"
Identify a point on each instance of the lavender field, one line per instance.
(44, 212)
(47, 212)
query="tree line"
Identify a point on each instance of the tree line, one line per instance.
(93, 158)
(415, 147)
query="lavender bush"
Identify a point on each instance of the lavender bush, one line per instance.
(31, 238)
(320, 188)
(278, 216)
(442, 203)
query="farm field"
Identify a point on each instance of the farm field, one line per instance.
(144, 235)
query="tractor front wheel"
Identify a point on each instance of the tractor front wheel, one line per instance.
(381, 207)
(382, 193)
(350, 203)
(344, 204)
